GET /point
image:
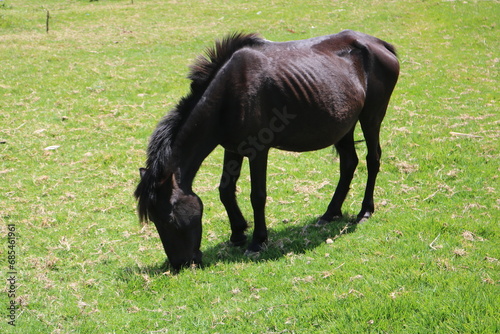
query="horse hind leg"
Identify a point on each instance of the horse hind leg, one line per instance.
(348, 163)
(227, 191)
(371, 132)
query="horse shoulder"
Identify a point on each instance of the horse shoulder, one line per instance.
(243, 75)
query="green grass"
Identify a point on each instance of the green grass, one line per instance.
(107, 71)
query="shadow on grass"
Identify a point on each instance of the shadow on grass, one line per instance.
(293, 238)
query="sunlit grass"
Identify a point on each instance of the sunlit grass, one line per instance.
(107, 71)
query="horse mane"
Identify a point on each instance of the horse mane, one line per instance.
(160, 164)
(206, 66)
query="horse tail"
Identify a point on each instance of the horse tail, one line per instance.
(391, 48)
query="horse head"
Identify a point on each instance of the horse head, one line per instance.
(176, 215)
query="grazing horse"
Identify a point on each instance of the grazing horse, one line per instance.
(248, 95)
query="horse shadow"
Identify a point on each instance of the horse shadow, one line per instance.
(295, 238)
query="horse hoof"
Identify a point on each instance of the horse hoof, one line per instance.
(255, 247)
(363, 218)
(251, 254)
(322, 222)
(239, 242)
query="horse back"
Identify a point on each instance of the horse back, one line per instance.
(338, 61)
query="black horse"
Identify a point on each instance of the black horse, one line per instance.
(249, 94)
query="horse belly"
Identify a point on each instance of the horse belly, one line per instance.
(307, 135)
(317, 123)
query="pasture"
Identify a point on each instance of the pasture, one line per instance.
(78, 103)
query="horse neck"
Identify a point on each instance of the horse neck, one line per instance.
(195, 141)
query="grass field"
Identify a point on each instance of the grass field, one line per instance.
(77, 105)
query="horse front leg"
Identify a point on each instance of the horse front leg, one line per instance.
(227, 191)
(258, 195)
(348, 163)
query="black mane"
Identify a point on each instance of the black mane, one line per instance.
(159, 164)
(206, 66)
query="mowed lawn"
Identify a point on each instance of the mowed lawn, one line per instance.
(78, 103)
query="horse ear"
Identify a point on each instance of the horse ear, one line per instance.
(142, 172)
(177, 192)
(174, 182)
